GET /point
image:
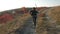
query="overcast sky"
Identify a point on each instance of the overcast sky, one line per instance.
(12, 4)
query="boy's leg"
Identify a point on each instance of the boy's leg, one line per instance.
(34, 20)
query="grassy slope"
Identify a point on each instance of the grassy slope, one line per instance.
(54, 14)
(13, 25)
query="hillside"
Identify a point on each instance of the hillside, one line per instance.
(50, 24)
(18, 21)
(54, 13)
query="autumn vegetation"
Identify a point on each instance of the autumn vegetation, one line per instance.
(10, 20)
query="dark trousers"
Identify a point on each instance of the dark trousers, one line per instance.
(34, 19)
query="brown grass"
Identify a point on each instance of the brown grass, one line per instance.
(54, 14)
(13, 25)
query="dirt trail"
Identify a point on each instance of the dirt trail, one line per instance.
(28, 28)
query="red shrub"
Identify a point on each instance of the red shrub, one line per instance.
(24, 9)
(42, 15)
(5, 17)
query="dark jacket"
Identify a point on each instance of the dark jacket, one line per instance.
(33, 12)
